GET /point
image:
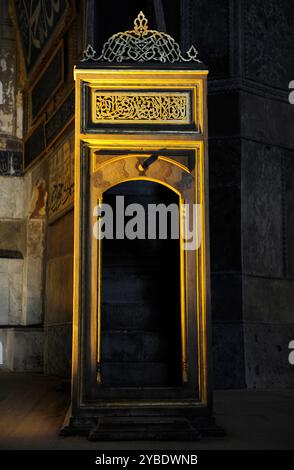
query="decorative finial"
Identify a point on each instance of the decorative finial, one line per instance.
(141, 45)
(141, 23)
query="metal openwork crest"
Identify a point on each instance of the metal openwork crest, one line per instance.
(141, 45)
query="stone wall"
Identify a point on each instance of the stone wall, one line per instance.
(21, 239)
(24, 349)
(47, 232)
(248, 46)
(11, 279)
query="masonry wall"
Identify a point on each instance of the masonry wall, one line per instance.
(53, 168)
(21, 236)
(250, 57)
(36, 199)
(248, 47)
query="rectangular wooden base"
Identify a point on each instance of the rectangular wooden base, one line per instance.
(135, 428)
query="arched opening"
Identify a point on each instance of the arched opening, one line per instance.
(140, 298)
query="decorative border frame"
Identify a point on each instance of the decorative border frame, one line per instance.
(195, 91)
(139, 94)
(96, 246)
(200, 402)
(62, 26)
(33, 119)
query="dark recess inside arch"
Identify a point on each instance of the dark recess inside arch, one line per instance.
(140, 314)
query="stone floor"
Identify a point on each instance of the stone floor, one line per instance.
(32, 409)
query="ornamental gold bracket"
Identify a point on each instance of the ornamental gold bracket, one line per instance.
(142, 167)
(141, 45)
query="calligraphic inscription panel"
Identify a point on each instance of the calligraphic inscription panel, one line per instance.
(37, 23)
(61, 179)
(141, 107)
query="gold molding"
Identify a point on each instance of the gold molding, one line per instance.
(62, 26)
(110, 159)
(118, 82)
(138, 145)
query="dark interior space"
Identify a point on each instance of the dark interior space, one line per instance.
(141, 343)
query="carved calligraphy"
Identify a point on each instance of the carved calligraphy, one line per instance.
(139, 108)
(61, 179)
(37, 22)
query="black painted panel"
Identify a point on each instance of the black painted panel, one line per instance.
(37, 23)
(94, 127)
(47, 85)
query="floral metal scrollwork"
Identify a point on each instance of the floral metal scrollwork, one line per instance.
(141, 45)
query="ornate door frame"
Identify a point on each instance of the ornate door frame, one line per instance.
(178, 178)
(125, 114)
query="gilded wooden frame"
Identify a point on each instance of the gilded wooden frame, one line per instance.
(141, 144)
(97, 198)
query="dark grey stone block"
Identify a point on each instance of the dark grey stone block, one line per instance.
(262, 242)
(228, 355)
(224, 163)
(267, 120)
(212, 37)
(224, 114)
(268, 42)
(268, 300)
(134, 346)
(135, 374)
(130, 316)
(225, 229)
(288, 211)
(267, 353)
(226, 296)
